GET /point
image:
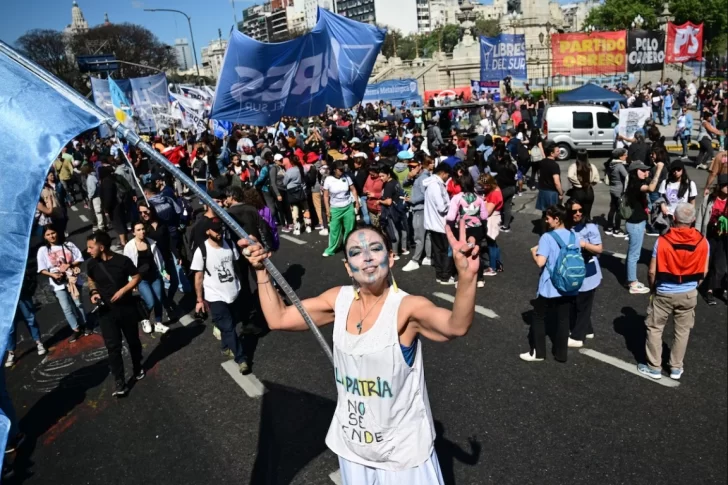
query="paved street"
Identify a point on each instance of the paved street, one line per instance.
(499, 420)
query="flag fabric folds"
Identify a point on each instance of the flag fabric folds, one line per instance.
(261, 82)
(36, 121)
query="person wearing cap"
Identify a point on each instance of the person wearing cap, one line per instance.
(617, 174)
(678, 266)
(712, 222)
(401, 170)
(276, 175)
(677, 188)
(636, 205)
(217, 287)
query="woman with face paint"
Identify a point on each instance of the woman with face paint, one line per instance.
(382, 428)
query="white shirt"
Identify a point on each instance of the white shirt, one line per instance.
(670, 192)
(50, 259)
(222, 283)
(339, 193)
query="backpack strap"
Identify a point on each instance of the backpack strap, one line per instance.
(203, 251)
(558, 239)
(572, 238)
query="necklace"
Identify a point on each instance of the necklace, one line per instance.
(361, 310)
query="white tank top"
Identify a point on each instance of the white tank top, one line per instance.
(383, 418)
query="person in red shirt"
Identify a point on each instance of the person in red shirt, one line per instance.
(373, 191)
(494, 206)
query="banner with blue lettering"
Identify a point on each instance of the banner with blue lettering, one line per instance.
(393, 92)
(261, 82)
(502, 56)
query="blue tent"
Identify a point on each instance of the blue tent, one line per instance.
(590, 93)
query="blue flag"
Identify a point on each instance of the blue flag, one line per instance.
(122, 106)
(36, 121)
(331, 65)
(501, 56)
(221, 129)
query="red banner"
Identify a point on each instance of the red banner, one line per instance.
(451, 93)
(595, 53)
(684, 42)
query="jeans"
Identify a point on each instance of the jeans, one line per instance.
(364, 210)
(614, 218)
(440, 259)
(552, 310)
(270, 201)
(202, 184)
(114, 321)
(667, 116)
(173, 272)
(421, 236)
(706, 154)
(400, 243)
(27, 311)
(225, 316)
(151, 293)
(684, 143)
(493, 253)
(636, 233)
(508, 193)
(98, 213)
(72, 309)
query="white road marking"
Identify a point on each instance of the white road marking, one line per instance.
(74, 208)
(336, 477)
(250, 384)
(629, 367)
(83, 218)
(486, 312)
(187, 319)
(292, 239)
(615, 255)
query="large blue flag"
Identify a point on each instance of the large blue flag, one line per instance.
(501, 56)
(36, 121)
(331, 65)
(122, 107)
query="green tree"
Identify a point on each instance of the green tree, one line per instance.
(443, 38)
(486, 27)
(48, 49)
(128, 42)
(392, 41)
(619, 14)
(714, 13)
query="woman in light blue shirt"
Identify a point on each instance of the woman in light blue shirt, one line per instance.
(591, 246)
(550, 304)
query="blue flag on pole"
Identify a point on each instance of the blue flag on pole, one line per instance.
(36, 121)
(331, 65)
(122, 107)
(501, 56)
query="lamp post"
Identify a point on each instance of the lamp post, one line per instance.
(665, 17)
(546, 40)
(514, 18)
(637, 24)
(189, 23)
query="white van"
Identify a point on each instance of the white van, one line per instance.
(579, 126)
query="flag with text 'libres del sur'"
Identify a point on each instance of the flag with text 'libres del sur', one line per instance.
(36, 121)
(330, 66)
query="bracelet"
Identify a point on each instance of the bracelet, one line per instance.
(263, 282)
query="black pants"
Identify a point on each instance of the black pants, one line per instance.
(555, 312)
(580, 321)
(614, 218)
(440, 259)
(226, 316)
(718, 269)
(508, 193)
(706, 153)
(117, 320)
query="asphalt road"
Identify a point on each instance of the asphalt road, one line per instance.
(499, 420)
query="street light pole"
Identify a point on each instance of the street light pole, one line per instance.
(189, 22)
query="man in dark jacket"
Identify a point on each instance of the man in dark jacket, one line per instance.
(113, 203)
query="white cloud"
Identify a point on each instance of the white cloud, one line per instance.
(137, 4)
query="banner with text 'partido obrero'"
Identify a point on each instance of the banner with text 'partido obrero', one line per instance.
(595, 53)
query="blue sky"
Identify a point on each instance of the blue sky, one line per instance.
(19, 16)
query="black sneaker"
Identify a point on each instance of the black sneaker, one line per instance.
(87, 331)
(710, 299)
(121, 389)
(244, 368)
(139, 375)
(75, 336)
(505, 229)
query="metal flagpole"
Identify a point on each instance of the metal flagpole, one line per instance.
(120, 147)
(135, 140)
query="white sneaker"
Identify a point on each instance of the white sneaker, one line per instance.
(480, 284)
(530, 356)
(411, 266)
(216, 333)
(426, 262)
(296, 232)
(449, 282)
(396, 257)
(160, 328)
(146, 326)
(575, 344)
(405, 252)
(41, 348)
(10, 360)
(590, 336)
(324, 232)
(638, 289)
(308, 229)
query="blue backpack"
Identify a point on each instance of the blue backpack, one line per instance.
(569, 272)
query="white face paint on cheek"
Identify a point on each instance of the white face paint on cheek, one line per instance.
(368, 259)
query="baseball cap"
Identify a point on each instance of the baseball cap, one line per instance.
(405, 155)
(216, 194)
(638, 165)
(360, 155)
(157, 177)
(277, 157)
(248, 158)
(213, 224)
(355, 140)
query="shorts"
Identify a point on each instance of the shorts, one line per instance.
(427, 473)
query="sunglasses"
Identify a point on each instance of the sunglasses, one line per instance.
(143, 212)
(577, 211)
